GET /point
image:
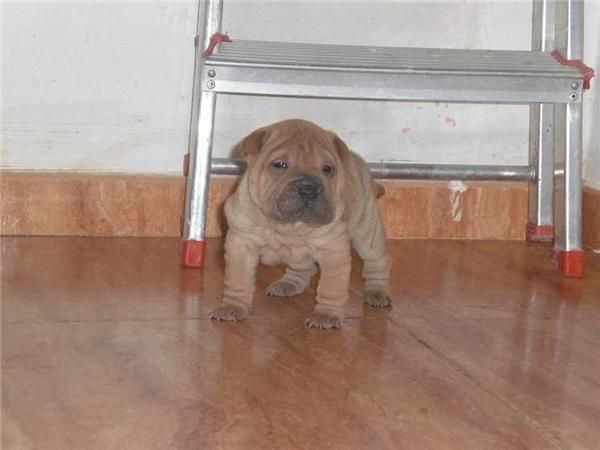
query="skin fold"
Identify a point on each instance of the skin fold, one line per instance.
(304, 201)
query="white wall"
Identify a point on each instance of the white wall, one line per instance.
(106, 86)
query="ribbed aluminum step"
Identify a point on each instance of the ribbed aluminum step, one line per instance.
(381, 59)
(390, 73)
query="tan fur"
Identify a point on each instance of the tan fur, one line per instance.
(255, 237)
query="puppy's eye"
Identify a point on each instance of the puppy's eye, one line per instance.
(281, 165)
(328, 169)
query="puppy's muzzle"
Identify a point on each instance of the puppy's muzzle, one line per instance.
(309, 188)
(303, 199)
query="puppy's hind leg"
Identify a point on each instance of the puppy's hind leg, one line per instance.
(368, 238)
(295, 280)
(376, 275)
(334, 286)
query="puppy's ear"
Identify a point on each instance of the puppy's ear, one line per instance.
(251, 145)
(378, 189)
(341, 148)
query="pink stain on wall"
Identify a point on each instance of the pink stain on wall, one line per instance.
(406, 130)
(450, 121)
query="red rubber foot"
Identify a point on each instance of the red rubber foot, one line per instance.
(570, 263)
(539, 233)
(193, 253)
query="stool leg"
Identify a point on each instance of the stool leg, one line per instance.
(541, 156)
(197, 161)
(196, 192)
(541, 133)
(568, 191)
(567, 144)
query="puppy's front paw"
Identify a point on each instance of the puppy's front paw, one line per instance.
(283, 289)
(322, 320)
(376, 299)
(229, 312)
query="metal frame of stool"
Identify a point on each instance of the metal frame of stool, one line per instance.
(554, 170)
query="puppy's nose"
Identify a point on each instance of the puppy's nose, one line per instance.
(309, 188)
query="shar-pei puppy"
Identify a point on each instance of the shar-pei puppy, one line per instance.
(304, 200)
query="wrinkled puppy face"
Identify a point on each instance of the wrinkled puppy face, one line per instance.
(295, 172)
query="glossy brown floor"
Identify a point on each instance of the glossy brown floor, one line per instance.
(106, 345)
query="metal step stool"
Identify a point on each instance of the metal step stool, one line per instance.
(552, 83)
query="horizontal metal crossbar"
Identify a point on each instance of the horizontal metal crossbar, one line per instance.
(222, 166)
(388, 73)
